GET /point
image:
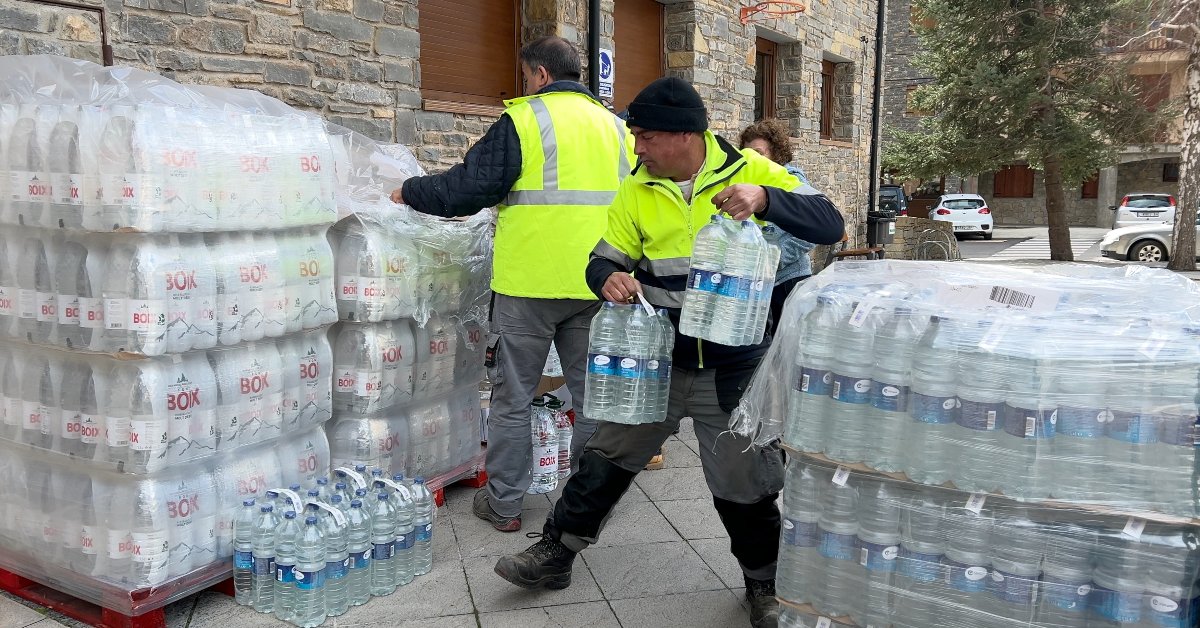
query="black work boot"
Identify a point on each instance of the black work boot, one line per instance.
(764, 608)
(546, 563)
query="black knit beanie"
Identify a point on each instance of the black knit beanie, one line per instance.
(668, 104)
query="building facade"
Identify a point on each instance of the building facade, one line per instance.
(1016, 193)
(432, 74)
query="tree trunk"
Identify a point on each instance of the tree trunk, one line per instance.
(1056, 210)
(1183, 237)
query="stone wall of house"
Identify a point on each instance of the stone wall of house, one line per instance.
(900, 71)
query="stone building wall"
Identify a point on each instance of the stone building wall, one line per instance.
(900, 71)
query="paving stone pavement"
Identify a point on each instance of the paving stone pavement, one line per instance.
(663, 561)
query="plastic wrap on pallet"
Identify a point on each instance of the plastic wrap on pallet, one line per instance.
(865, 550)
(146, 415)
(159, 294)
(88, 530)
(86, 147)
(431, 437)
(1069, 382)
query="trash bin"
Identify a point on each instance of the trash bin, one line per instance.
(881, 227)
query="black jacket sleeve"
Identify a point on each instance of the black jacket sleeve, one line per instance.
(811, 217)
(487, 173)
(598, 271)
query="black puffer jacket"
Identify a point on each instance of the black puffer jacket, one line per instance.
(487, 173)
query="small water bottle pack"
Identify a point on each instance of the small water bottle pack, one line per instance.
(346, 539)
(729, 286)
(629, 364)
(551, 438)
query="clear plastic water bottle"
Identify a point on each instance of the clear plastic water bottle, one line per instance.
(847, 437)
(9, 294)
(966, 562)
(361, 276)
(639, 341)
(879, 508)
(601, 386)
(1031, 414)
(838, 530)
(383, 540)
(28, 184)
(399, 357)
(983, 387)
(262, 541)
(72, 188)
(1172, 594)
(562, 425)
(406, 539)
(337, 559)
(1016, 556)
(310, 575)
(423, 525)
(287, 537)
(1175, 450)
(895, 337)
(40, 388)
(1119, 581)
(708, 260)
(316, 368)
(545, 450)
(920, 573)
(243, 554)
(1079, 378)
(358, 371)
(1066, 577)
(666, 351)
(37, 295)
(732, 315)
(934, 404)
(799, 559)
(1131, 435)
(358, 536)
(810, 401)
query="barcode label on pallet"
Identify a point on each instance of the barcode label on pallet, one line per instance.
(1027, 298)
(841, 475)
(1134, 527)
(1013, 298)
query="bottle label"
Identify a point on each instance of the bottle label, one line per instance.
(1171, 613)
(837, 546)
(89, 429)
(1117, 606)
(68, 310)
(1135, 429)
(1081, 422)
(653, 370)
(71, 425)
(114, 314)
(383, 551)
(919, 567)
(31, 416)
(815, 381)
(1013, 589)
(337, 569)
(8, 305)
(150, 547)
(285, 574)
(410, 541)
(310, 580)
(1179, 431)
(27, 301)
(889, 397)
(347, 288)
(631, 368)
(47, 307)
(934, 409)
(263, 565)
(119, 189)
(1027, 423)
(800, 533)
(546, 458)
(120, 544)
(705, 280)
(734, 287)
(372, 290)
(877, 556)
(424, 532)
(601, 364)
(91, 313)
(148, 434)
(402, 542)
(243, 560)
(145, 316)
(1066, 595)
(964, 577)
(116, 432)
(230, 315)
(368, 384)
(343, 381)
(848, 389)
(87, 539)
(980, 415)
(360, 560)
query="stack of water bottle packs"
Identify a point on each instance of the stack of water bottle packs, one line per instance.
(412, 295)
(305, 556)
(165, 282)
(629, 364)
(1022, 440)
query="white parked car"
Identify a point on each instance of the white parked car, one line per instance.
(1140, 243)
(1143, 207)
(968, 213)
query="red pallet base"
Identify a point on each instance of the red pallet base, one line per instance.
(86, 612)
(478, 481)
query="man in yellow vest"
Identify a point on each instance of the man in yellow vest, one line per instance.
(685, 175)
(551, 165)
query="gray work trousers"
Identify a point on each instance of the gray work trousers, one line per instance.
(522, 329)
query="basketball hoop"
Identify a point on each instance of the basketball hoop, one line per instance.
(774, 8)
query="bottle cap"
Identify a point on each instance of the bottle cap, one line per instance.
(322, 481)
(310, 521)
(383, 497)
(418, 480)
(248, 502)
(267, 508)
(399, 477)
(314, 493)
(357, 503)
(335, 499)
(341, 486)
(291, 514)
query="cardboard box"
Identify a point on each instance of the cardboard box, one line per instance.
(550, 384)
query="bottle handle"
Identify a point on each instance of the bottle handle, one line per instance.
(645, 304)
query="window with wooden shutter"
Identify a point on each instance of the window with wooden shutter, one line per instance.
(827, 86)
(765, 80)
(1091, 187)
(469, 51)
(1013, 182)
(638, 42)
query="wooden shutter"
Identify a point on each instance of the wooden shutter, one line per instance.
(1154, 89)
(827, 83)
(639, 44)
(1091, 187)
(1013, 182)
(765, 79)
(469, 50)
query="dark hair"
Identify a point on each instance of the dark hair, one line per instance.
(556, 54)
(776, 135)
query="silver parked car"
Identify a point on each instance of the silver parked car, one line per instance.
(1140, 243)
(1142, 208)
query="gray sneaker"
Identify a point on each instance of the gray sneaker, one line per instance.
(764, 608)
(483, 509)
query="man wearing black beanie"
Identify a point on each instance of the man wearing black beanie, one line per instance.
(685, 175)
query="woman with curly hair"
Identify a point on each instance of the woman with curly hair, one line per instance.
(770, 139)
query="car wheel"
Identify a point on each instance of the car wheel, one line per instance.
(987, 236)
(1147, 251)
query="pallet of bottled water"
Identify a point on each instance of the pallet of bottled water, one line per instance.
(732, 274)
(116, 539)
(304, 556)
(859, 549)
(551, 435)
(629, 364)
(1070, 383)
(437, 438)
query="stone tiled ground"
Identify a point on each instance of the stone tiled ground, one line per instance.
(662, 562)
